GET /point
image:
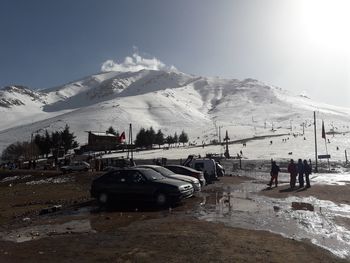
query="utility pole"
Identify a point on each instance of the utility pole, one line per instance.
(316, 168)
(130, 138)
(130, 149)
(219, 134)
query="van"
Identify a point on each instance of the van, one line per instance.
(207, 166)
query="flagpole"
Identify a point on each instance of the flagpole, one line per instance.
(316, 167)
(132, 152)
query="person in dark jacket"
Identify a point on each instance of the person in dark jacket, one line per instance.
(293, 171)
(301, 172)
(274, 173)
(307, 170)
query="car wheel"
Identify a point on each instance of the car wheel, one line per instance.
(161, 199)
(102, 198)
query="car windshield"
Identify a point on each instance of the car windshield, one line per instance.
(164, 171)
(152, 175)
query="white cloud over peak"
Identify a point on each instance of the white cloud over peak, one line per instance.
(135, 63)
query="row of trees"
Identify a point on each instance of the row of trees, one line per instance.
(147, 138)
(18, 150)
(57, 141)
(64, 140)
(41, 145)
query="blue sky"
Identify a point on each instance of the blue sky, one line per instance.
(287, 43)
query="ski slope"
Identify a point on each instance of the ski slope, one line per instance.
(174, 101)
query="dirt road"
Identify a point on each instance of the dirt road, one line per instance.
(80, 232)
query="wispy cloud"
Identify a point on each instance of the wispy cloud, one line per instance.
(135, 63)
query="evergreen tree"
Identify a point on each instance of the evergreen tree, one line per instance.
(47, 143)
(111, 131)
(43, 143)
(67, 139)
(55, 140)
(176, 138)
(140, 138)
(145, 138)
(183, 138)
(39, 142)
(169, 140)
(151, 137)
(159, 138)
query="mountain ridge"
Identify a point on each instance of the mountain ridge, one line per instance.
(167, 100)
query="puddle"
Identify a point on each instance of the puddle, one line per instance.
(293, 217)
(302, 206)
(36, 232)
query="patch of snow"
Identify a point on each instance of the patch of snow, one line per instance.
(14, 178)
(51, 180)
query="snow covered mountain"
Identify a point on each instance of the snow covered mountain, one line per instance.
(167, 100)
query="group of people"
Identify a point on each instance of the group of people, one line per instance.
(295, 170)
(300, 169)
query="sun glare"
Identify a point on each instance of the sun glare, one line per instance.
(326, 24)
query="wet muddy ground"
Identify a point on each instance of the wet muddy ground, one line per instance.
(48, 217)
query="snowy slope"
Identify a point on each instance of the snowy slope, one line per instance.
(167, 100)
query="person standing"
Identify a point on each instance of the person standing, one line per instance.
(301, 171)
(293, 171)
(307, 170)
(274, 173)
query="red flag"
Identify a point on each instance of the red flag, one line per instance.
(323, 131)
(122, 137)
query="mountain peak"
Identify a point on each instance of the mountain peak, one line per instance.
(167, 100)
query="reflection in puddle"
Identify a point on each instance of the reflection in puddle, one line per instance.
(293, 217)
(36, 232)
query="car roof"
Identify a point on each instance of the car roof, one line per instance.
(181, 166)
(129, 169)
(148, 166)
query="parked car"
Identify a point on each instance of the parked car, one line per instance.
(180, 169)
(170, 174)
(131, 185)
(75, 167)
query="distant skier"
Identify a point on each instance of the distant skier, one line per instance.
(274, 173)
(293, 171)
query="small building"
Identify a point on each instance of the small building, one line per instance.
(101, 141)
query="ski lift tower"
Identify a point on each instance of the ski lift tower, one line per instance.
(226, 140)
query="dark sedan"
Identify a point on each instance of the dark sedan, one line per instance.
(132, 185)
(180, 169)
